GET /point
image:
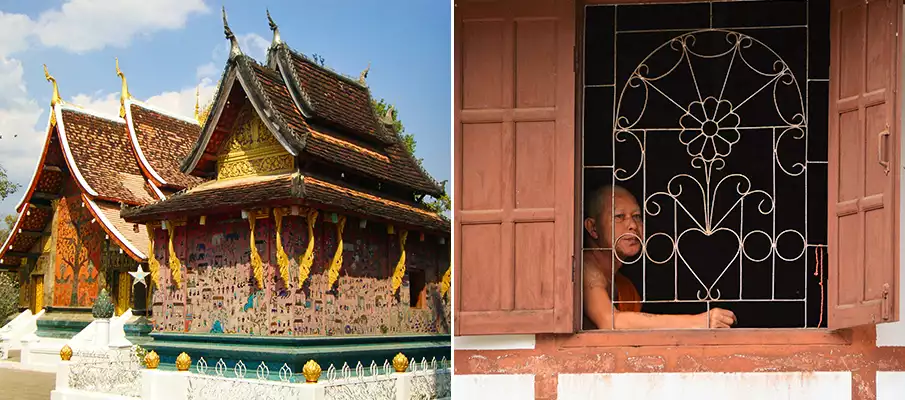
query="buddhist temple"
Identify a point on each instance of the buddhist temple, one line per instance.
(302, 216)
(69, 240)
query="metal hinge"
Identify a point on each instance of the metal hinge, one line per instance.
(886, 306)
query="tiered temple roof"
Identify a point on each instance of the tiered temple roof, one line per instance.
(112, 164)
(346, 156)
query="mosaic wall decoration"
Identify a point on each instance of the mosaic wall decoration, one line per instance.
(220, 295)
(80, 241)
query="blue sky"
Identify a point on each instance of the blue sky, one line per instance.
(167, 48)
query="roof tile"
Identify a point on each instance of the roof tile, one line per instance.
(103, 155)
(165, 141)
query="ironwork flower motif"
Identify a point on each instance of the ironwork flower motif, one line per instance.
(709, 129)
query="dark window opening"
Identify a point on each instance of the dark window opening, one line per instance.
(713, 116)
(417, 286)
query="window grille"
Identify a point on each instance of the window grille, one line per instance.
(714, 115)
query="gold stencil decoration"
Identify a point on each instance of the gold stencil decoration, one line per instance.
(256, 263)
(153, 264)
(307, 259)
(282, 257)
(252, 150)
(400, 266)
(175, 265)
(338, 256)
(446, 282)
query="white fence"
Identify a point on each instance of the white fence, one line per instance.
(87, 377)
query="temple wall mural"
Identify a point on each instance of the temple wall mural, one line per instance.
(78, 253)
(219, 292)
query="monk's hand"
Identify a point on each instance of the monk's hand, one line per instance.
(718, 318)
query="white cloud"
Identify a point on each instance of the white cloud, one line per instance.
(15, 30)
(180, 102)
(84, 25)
(183, 101)
(208, 70)
(19, 115)
(251, 44)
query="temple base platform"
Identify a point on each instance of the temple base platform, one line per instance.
(274, 351)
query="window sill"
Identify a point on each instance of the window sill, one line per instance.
(705, 337)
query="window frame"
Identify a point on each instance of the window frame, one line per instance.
(708, 336)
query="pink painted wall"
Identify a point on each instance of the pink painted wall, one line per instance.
(219, 293)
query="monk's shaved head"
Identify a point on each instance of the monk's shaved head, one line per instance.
(613, 219)
(597, 199)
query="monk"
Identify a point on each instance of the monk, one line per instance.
(623, 221)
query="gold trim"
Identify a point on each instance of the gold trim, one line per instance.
(282, 257)
(400, 266)
(337, 262)
(307, 259)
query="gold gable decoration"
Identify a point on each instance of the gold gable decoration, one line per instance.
(446, 282)
(153, 264)
(252, 151)
(400, 266)
(175, 265)
(307, 259)
(282, 257)
(337, 262)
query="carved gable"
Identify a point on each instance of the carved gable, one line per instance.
(252, 150)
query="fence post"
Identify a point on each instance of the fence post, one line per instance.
(62, 378)
(164, 385)
(403, 385)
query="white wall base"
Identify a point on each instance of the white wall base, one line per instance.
(708, 386)
(492, 387)
(890, 385)
(70, 394)
(494, 342)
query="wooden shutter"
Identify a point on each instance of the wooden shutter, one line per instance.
(864, 164)
(514, 162)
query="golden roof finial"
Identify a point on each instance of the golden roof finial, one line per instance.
(125, 92)
(234, 44)
(55, 99)
(275, 29)
(197, 100)
(364, 74)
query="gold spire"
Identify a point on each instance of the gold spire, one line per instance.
(125, 92)
(364, 74)
(55, 99)
(197, 99)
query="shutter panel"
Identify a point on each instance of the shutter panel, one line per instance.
(864, 164)
(514, 161)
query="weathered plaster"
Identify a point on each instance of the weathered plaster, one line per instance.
(862, 358)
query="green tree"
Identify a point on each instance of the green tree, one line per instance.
(6, 186)
(6, 226)
(439, 206)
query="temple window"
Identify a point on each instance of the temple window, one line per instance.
(417, 288)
